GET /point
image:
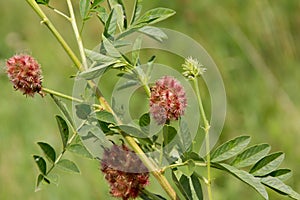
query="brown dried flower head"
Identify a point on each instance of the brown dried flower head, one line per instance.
(124, 171)
(25, 74)
(168, 100)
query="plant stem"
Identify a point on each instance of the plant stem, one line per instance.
(54, 31)
(77, 34)
(64, 96)
(151, 166)
(59, 12)
(206, 130)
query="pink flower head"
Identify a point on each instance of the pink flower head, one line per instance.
(168, 100)
(124, 171)
(25, 74)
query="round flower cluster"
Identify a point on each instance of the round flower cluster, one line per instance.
(168, 100)
(25, 74)
(124, 171)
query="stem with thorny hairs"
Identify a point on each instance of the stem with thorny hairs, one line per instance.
(150, 165)
(206, 130)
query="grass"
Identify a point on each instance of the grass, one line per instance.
(254, 43)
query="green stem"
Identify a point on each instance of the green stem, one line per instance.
(64, 96)
(54, 31)
(59, 12)
(77, 34)
(206, 130)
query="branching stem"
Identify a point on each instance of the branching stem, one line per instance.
(150, 164)
(206, 130)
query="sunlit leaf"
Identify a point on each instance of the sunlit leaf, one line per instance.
(63, 129)
(278, 186)
(68, 166)
(84, 6)
(110, 49)
(155, 15)
(267, 164)
(101, 14)
(247, 178)
(136, 11)
(96, 71)
(110, 24)
(48, 151)
(121, 19)
(281, 174)
(41, 163)
(153, 32)
(230, 148)
(98, 57)
(251, 155)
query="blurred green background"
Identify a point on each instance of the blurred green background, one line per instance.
(256, 45)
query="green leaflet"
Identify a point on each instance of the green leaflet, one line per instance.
(41, 163)
(247, 178)
(136, 11)
(277, 185)
(63, 129)
(68, 165)
(155, 15)
(230, 148)
(251, 155)
(84, 7)
(267, 164)
(105, 116)
(80, 150)
(281, 174)
(197, 186)
(153, 32)
(48, 151)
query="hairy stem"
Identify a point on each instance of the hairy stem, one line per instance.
(206, 130)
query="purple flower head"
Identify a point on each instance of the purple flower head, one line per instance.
(124, 171)
(168, 100)
(25, 74)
